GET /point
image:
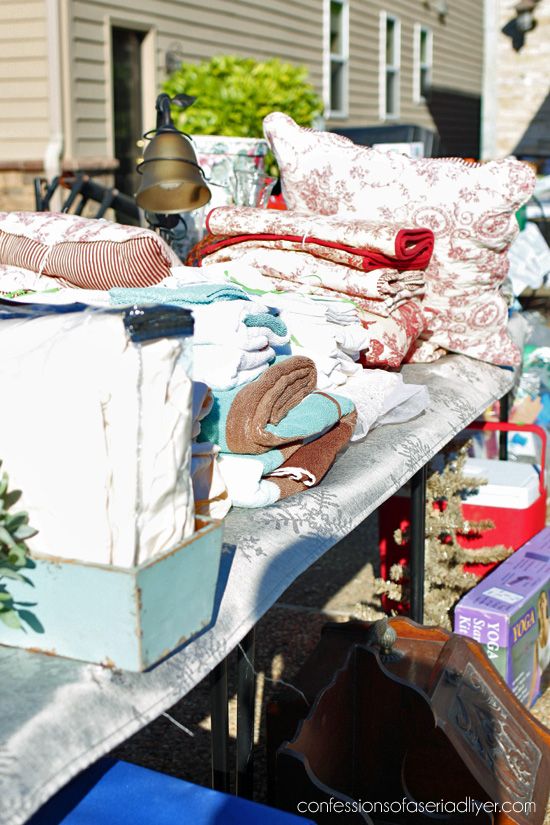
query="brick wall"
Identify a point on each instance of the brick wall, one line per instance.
(523, 101)
(16, 191)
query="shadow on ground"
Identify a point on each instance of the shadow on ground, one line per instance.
(338, 586)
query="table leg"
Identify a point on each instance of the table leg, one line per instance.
(246, 694)
(220, 727)
(418, 541)
(503, 437)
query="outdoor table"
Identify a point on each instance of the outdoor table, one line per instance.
(58, 716)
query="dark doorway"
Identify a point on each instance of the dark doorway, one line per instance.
(127, 115)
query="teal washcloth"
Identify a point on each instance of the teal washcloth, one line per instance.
(266, 319)
(191, 294)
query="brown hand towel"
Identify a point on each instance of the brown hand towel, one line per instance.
(309, 463)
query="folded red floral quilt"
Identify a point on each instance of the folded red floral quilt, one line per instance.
(352, 242)
(391, 340)
(379, 291)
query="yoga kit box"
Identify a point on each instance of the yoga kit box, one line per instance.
(508, 613)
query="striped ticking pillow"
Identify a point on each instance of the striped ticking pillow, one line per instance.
(84, 252)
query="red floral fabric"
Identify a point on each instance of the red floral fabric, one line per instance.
(392, 339)
(469, 207)
(351, 242)
(379, 291)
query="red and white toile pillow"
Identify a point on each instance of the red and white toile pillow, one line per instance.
(469, 207)
(89, 253)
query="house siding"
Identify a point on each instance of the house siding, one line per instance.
(457, 59)
(289, 30)
(292, 30)
(23, 80)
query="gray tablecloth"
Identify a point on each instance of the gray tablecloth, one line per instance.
(58, 716)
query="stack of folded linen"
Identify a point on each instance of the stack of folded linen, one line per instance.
(376, 269)
(324, 329)
(327, 330)
(234, 339)
(335, 348)
(278, 435)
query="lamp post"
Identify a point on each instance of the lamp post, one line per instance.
(172, 180)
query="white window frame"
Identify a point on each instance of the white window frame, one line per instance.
(149, 89)
(384, 69)
(419, 30)
(331, 58)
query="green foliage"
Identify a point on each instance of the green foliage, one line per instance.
(234, 94)
(14, 532)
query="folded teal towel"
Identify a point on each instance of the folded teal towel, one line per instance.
(271, 460)
(182, 296)
(266, 319)
(312, 417)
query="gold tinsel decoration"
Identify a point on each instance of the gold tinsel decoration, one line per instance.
(445, 579)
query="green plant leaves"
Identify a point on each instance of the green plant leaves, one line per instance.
(12, 498)
(14, 556)
(24, 531)
(234, 94)
(28, 617)
(6, 538)
(11, 619)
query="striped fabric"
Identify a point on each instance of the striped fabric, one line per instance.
(84, 252)
(17, 250)
(140, 262)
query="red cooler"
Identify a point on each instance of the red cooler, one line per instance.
(514, 499)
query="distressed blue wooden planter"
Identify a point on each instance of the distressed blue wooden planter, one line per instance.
(120, 617)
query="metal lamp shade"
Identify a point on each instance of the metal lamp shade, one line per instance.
(172, 180)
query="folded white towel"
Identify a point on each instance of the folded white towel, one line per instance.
(243, 478)
(224, 367)
(318, 334)
(222, 322)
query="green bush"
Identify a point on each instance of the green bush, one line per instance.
(14, 557)
(234, 94)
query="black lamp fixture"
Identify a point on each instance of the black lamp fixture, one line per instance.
(172, 180)
(525, 19)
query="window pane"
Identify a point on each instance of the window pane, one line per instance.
(391, 93)
(423, 46)
(336, 86)
(390, 41)
(424, 81)
(336, 27)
